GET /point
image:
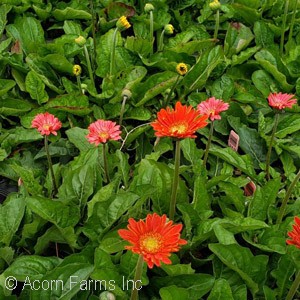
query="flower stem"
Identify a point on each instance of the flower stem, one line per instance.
(211, 130)
(293, 21)
(122, 110)
(79, 84)
(286, 198)
(137, 278)
(294, 288)
(113, 51)
(151, 32)
(50, 166)
(105, 165)
(286, 8)
(175, 181)
(88, 61)
(166, 102)
(161, 41)
(268, 158)
(217, 24)
(94, 18)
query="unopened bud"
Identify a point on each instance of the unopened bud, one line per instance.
(148, 7)
(80, 40)
(215, 5)
(107, 296)
(76, 70)
(126, 93)
(181, 69)
(123, 24)
(169, 29)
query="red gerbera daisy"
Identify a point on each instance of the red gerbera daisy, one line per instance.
(46, 123)
(281, 101)
(154, 238)
(102, 131)
(295, 234)
(212, 107)
(179, 123)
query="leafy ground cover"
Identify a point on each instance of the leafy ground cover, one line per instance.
(107, 152)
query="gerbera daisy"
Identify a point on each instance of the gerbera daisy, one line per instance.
(281, 101)
(179, 123)
(295, 234)
(102, 131)
(212, 107)
(154, 239)
(46, 123)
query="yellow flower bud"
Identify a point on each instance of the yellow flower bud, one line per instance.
(148, 7)
(181, 69)
(76, 70)
(215, 5)
(169, 29)
(123, 24)
(80, 40)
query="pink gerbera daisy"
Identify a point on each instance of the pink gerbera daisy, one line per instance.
(281, 101)
(102, 131)
(212, 108)
(46, 123)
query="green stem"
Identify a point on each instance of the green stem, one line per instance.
(113, 51)
(137, 278)
(161, 41)
(283, 26)
(122, 110)
(50, 166)
(171, 92)
(79, 84)
(294, 288)
(151, 32)
(217, 24)
(293, 21)
(268, 158)
(93, 33)
(88, 61)
(175, 181)
(211, 130)
(286, 198)
(105, 165)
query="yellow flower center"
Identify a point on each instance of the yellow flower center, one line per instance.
(46, 126)
(151, 242)
(179, 128)
(104, 135)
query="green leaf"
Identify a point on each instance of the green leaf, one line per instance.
(59, 63)
(4, 10)
(11, 214)
(263, 198)
(179, 269)
(284, 271)
(242, 162)
(32, 266)
(223, 88)
(198, 75)
(54, 211)
(14, 107)
(28, 31)
(264, 82)
(173, 292)
(221, 291)
(268, 62)
(70, 13)
(287, 125)
(6, 85)
(251, 268)
(197, 284)
(36, 88)
(264, 36)
(77, 136)
(123, 166)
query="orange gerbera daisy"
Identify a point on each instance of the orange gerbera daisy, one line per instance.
(154, 238)
(281, 101)
(179, 123)
(46, 123)
(295, 234)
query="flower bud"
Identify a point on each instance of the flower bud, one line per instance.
(215, 5)
(126, 93)
(181, 69)
(148, 7)
(107, 296)
(122, 23)
(80, 40)
(76, 70)
(169, 29)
